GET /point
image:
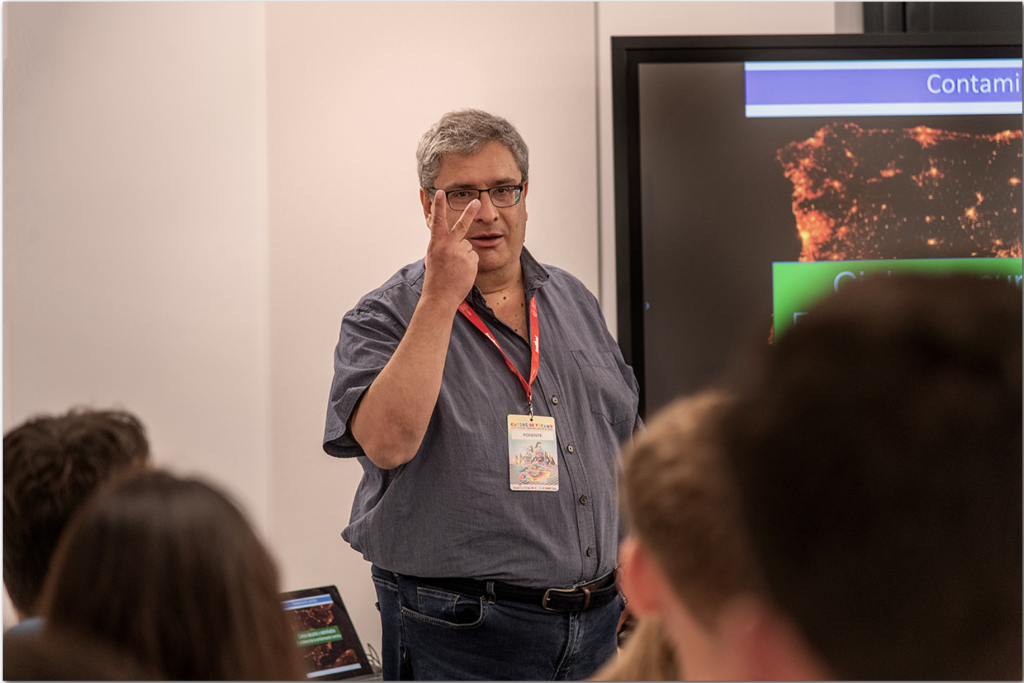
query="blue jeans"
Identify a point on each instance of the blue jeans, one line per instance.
(434, 634)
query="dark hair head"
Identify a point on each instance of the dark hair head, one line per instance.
(465, 132)
(169, 569)
(54, 654)
(51, 465)
(878, 455)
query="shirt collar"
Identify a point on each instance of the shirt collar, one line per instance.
(534, 275)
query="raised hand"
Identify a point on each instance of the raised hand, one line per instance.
(392, 417)
(451, 262)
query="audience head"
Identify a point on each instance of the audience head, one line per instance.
(51, 465)
(464, 133)
(60, 655)
(170, 570)
(877, 451)
(688, 555)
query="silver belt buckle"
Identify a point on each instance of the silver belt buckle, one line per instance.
(547, 596)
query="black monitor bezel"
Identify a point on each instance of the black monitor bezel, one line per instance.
(628, 53)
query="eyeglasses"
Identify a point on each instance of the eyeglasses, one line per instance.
(502, 197)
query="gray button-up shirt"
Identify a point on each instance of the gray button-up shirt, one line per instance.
(449, 512)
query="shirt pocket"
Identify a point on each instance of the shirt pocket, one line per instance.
(607, 391)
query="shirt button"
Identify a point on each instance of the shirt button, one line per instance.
(569, 448)
(583, 500)
(554, 399)
(590, 552)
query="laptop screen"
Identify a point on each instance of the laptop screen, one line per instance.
(330, 648)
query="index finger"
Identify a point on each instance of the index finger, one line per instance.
(461, 226)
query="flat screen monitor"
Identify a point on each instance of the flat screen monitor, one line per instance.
(754, 173)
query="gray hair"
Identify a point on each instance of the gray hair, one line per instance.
(465, 132)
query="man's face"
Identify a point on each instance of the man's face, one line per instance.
(497, 234)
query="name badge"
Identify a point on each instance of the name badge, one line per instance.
(532, 453)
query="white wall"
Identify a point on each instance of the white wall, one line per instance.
(186, 212)
(135, 226)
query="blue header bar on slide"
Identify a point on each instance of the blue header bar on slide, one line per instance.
(893, 88)
(313, 601)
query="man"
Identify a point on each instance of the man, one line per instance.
(877, 452)
(52, 464)
(489, 560)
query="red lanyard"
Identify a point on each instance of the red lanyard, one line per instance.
(466, 310)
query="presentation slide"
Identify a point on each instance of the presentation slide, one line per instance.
(747, 166)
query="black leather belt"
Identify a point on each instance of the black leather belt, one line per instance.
(578, 599)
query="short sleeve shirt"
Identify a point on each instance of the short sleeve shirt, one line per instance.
(450, 512)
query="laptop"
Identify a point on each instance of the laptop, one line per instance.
(331, 650)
